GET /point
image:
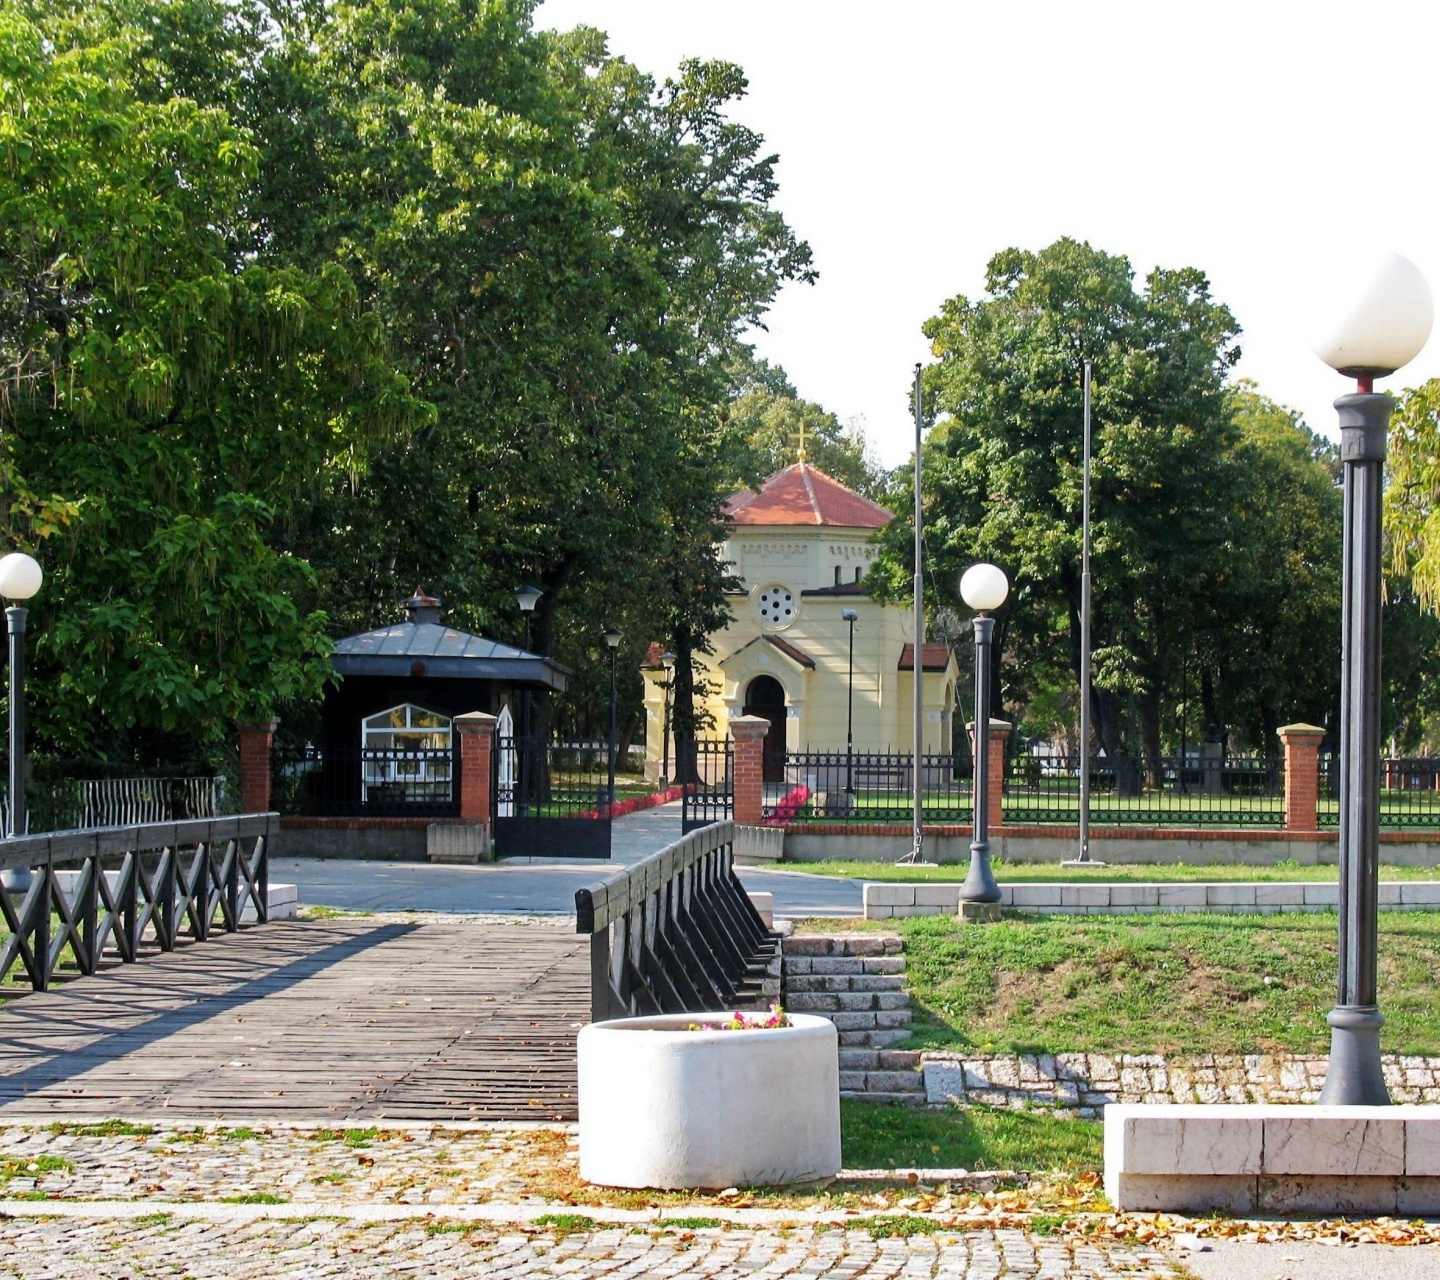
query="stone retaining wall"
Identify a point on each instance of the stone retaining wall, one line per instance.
(1087, 1082)
(885, 901)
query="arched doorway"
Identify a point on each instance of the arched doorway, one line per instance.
(765, 696)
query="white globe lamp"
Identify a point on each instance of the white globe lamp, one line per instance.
(20, 576)
(984, 587)
(1376, 317)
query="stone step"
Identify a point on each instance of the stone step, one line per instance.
(849, 965)
(847, 1001)
(876, 1039)
(880, 1060)
(844, 982)
(863, 944)
(882, 1081)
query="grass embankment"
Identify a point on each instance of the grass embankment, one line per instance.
(976, 1138)
(1127, 873)
(1156, 984)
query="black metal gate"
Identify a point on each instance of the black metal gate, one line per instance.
(551, 799)
(708, 775)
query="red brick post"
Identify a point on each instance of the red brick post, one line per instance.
(749, 796)
(995, 768)
(256, 740)
(477, 734)
(1302, 774)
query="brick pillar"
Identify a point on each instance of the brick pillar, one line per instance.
(995, 764)
(749, 798)
(477, 734)
(1302, 774)
(256, 740)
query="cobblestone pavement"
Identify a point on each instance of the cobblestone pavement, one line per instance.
(157, 1246)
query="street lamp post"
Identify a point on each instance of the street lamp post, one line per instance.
(1383, 330)
(613, 638)
(20, 578)
(850, 616)
(527, 597)
(667, 660)
(983, 587)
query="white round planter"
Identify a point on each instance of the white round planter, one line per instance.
(664, 1107)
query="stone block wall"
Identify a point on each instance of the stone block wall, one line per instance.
(1088, 1082)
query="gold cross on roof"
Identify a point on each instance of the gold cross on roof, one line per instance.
(800, 449)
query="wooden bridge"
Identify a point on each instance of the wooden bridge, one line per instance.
(321, 1020)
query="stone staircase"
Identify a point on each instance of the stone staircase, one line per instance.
(857, 980)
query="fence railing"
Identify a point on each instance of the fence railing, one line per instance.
(109, 891)
(1240, 791)
(706, 769)
(866, 786)
(675, 933)
(71, 803)
(361, 782)
(1409, 793)
(539, 778)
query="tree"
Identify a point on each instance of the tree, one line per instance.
(166, 394)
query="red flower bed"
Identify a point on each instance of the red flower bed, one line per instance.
(788, 807)
(635, 803)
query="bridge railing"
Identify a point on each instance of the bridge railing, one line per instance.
(106, 891)
(675, 933)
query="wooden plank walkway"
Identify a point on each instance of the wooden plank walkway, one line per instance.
(321, 1020)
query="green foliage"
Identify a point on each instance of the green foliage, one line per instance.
(894, 1137)
(1188, 477)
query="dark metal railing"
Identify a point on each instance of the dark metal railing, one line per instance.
(109, 890)
(1238, 791)
(675, 933)
(866, 786)
(540, 778)
(1409, 793)
(707, 772)
(356, 782)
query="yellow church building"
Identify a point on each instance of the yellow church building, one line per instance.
(801, 546)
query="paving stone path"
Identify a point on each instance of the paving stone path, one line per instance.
(247, 1246)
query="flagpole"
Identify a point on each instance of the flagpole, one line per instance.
(1084, 858)
(917, 834)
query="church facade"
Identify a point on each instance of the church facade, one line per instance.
(801, 546)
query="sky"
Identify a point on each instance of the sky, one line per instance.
(1260, 141)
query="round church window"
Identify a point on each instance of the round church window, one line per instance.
(776, 605)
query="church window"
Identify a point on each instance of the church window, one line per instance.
(776, 605)
(837, 575)
(858, 571)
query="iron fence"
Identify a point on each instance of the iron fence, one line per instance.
(71, 803)
(1409, 793)
(355, 782)
(1238, 791)
(540, 778)
(864, 786)
(707, 772)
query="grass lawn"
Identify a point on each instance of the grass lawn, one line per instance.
(1156, 984)
(976, 1138)
(1128, 872)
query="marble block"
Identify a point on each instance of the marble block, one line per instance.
(1181, 895)
(1333, 1142)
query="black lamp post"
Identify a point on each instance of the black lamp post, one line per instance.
(667, 659)
(984, 588)
(613, 638)
(850, 616)
(1382, 331)
(20, 578)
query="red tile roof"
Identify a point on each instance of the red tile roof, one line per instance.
(937, 657)
(802, 495)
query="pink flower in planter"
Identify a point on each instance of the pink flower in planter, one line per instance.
(772, 1021)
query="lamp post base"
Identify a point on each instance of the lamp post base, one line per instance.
(1081, 862)
(980, 887)
(980, 912)
(1355, 1077)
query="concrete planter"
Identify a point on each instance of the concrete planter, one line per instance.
(669, 1108)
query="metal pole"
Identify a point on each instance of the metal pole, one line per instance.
(917, 835)
(612, 727)
(665, 738)
(980, 883)
(1085, 637)
(1355, 1075)
(850, 712)
(15, 617)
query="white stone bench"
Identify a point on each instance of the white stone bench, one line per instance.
(1267, 1158)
